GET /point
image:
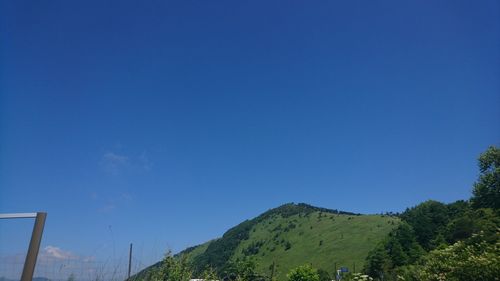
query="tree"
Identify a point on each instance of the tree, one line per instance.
(405, 236)
(486, 193)
(173, 269)
(427, 220)
(303, 273)
(399, 249)
(396, 253)
(377, 262)
(323, 275)
(242, 270)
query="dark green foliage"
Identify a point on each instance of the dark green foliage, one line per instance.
(400, 248)
(323, 275)
(405, 236)
(277, 228)
(473, 221)
(220, 250)
(461, 228)
(486, 193)
(241, 270)
(377, 262)
(457, 208)
(427, 220)
(439, 241)
(290, 226)
(253, 248)
(288, 245)
(396, 253)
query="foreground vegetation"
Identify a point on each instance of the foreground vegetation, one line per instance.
(431, 241)
(457, 241)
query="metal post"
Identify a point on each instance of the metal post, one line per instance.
(129, 260)
(36, 239)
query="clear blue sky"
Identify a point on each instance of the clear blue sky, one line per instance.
(164, 123)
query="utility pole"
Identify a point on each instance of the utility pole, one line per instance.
(335, 270)
(129, 261)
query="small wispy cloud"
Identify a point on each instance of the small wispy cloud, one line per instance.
(53, 254)
(113, 163)
(57, 253)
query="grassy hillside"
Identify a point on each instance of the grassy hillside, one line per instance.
(295, 234)
(323, 239)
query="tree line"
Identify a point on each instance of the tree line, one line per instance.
(457, 241)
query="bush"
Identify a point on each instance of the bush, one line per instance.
(173, 269)
(303, 273)
(479, 261)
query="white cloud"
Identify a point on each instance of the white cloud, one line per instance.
(113, 163)
(57, 253)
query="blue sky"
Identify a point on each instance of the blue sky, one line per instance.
(165, 123)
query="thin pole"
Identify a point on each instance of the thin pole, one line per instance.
(36, 239)
(272, 272)
(129, 260)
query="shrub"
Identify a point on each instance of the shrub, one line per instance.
(303, 273)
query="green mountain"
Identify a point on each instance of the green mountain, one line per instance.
(292, 235)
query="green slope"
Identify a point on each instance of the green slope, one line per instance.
(323, 239)
(295, 234)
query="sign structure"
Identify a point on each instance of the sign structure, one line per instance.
(36, 238)
(344, 269)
